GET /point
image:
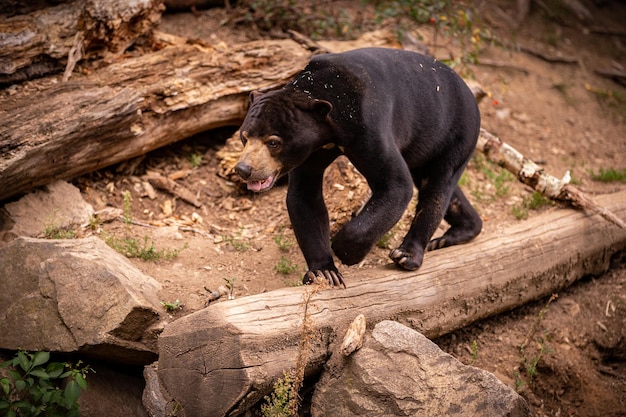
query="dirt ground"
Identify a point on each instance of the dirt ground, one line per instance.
(559, 114)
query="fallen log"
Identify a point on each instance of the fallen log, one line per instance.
(535, 177)
(223, 359)
(134, 106)
(40, 42)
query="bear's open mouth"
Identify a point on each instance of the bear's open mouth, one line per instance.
(262, 185)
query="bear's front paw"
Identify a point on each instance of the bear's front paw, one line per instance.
(332, 277)
(407, 260)
(349, 251)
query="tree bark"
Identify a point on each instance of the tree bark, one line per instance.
(232, 352)
(40, 42)
(134, 106)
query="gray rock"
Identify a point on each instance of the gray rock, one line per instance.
(77, 295)
(399, 372)
(58, 205)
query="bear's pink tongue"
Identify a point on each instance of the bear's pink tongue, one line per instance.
(257, 186)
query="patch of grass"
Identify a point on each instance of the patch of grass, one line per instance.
(535, 201)
(138, 248)
(58, 232)
(609, 175)
(612, 100)
(285, 266)
(53, 230)
(283, 242)
(238, 245)
(496, 176)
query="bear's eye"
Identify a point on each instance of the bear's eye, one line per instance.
(273, 142)
(243, 138)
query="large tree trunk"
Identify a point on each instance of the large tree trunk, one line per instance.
(132, 107)
(44, 41)
(230, 353)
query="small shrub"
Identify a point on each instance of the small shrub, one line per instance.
(32, 388)
(281, 402)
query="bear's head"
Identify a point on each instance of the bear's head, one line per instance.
(280, 131)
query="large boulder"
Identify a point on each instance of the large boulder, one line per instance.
(77, 295)
(399, 372)
(57, 205)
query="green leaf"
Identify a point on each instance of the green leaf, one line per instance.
(55, 369)
(80, 380)
(65, 374)
(4, 404)
(41, 358)
(72, 391)
(11, 413)
(20, 384)
(14, 375)
(5, 383)
(45, 398)
(23, 361)
(39, 373)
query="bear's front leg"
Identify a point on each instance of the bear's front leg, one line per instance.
(392, 189)
(309, 219)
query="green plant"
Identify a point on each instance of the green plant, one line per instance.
(282, 241)
(195, 159)
(285, 266)
(519, 381)
(169, 307)
(609, 175)
(531, 361)
(32, 389)
(474, 351)
(280, 401)
(128, 219)
(230, 285)
(284, 401)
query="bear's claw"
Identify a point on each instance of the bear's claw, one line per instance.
(334, 278)
(405, 259)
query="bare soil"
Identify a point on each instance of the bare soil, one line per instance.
(574, 360)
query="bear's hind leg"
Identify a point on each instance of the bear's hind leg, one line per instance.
(465, 223)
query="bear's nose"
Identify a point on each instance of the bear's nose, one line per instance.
(243, 170)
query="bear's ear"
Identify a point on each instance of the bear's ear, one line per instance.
(322, 107)
(255, 95)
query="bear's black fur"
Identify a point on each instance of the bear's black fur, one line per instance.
(402, 119)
